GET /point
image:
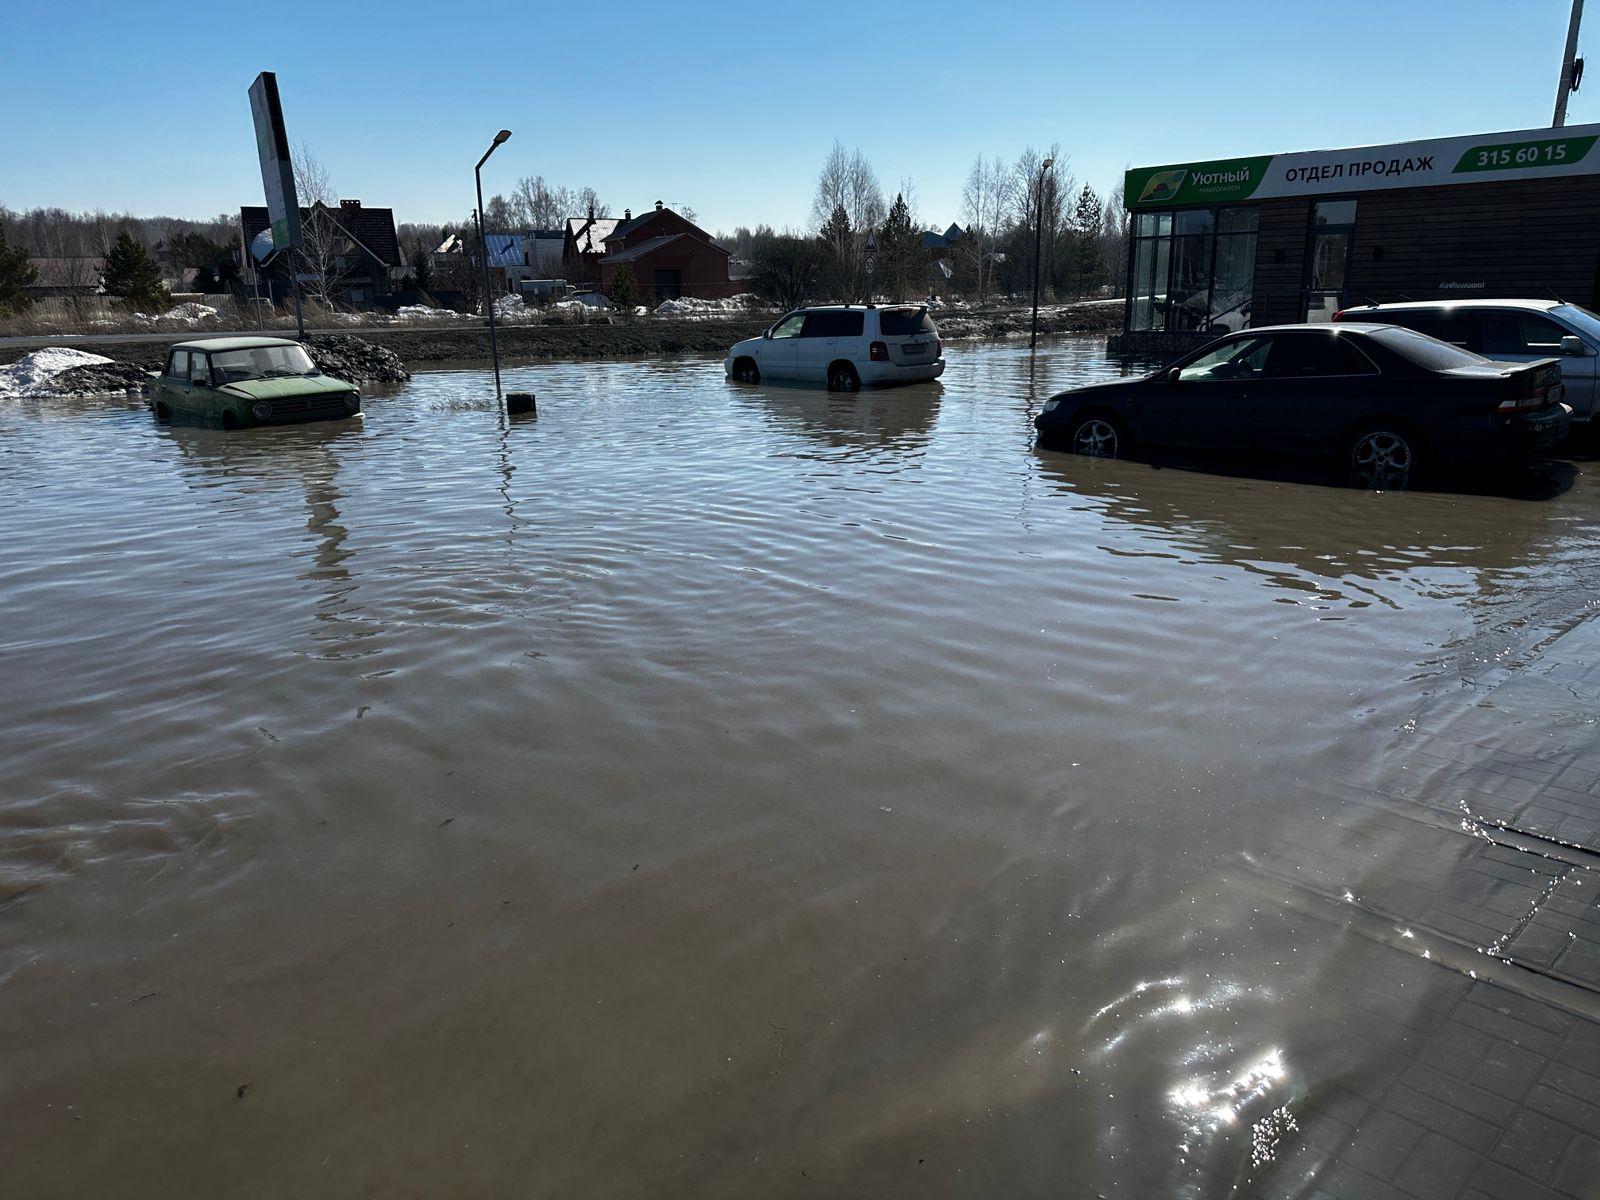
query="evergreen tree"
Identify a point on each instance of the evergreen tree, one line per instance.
(16, 273)
(902, 265)
(624, 291)
(1087, 220)
(132, 273)
(421, 267)
(839, 239)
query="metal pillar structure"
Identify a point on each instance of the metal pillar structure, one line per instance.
(1569, 66)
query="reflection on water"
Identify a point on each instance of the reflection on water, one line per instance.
(702, 789)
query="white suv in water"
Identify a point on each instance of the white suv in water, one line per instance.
(844, 346)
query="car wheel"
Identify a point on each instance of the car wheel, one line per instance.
(746, 371)
(1097, 436)
(229, 421)
(1382, 458)
(842, 377)
(163, 413)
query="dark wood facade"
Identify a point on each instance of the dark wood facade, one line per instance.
(1536, 239)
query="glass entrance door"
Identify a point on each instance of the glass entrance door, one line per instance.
(1333, 229)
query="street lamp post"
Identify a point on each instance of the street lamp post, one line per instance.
(483, 249)
(1038, 250)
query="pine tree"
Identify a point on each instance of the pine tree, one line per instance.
(839, 239)
(624, 291)
(132, 273)
(16, 273)
(421, 266)
(902, 265)
(1087, 219)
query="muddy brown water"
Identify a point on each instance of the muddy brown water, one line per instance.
(700, 790)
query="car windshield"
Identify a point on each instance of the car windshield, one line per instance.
(898, 322)
(1423, 350)
(260, 362)
(1579, 318)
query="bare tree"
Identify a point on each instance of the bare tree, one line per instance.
(983, 207)
(1037, 196)
(324, 246)
(848, 183)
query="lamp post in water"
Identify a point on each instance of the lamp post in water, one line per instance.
(1038, 250)
(483, 248)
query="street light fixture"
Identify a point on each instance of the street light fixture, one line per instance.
(1038, 249)
(483, 248)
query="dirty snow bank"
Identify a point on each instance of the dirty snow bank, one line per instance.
(190, 314)
(421, 312)
(32, 374)
(354, 359)
(692, 308)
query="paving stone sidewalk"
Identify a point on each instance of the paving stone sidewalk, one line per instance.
(1494, 810)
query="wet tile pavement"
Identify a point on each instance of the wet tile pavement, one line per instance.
(1497, 813)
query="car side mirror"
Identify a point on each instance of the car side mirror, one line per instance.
(1573, 345)
(1172, 374)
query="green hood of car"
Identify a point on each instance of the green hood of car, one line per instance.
(283, 388)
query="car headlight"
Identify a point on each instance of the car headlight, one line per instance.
(352, 401)
(261, 409)
(1051, 405)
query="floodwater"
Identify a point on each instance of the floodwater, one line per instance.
(700, 790)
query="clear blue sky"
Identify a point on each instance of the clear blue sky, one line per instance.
(128, 105)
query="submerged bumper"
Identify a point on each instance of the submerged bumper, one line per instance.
(1540, 432)
(882, 373)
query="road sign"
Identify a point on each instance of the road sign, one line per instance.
(872, 265)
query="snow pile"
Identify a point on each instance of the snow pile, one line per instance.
(191, 314)
(587, 302)
(694, 309)
(421, 312)
(510, 308)
(32, 374)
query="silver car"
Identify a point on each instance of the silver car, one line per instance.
(1509, 331)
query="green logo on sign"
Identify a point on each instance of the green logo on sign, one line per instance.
(1518, 156)
(1195, 183)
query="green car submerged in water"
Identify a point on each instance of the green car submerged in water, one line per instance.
(243, 381)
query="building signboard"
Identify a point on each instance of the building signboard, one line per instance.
(277, 171)
(1525, 154)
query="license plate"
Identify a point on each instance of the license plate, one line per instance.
(915, 347)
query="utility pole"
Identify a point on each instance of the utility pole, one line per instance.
(1038, 250)
(1571, 66)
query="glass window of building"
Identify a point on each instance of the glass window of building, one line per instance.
(1193, 269)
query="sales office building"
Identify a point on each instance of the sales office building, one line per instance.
(1219, 246)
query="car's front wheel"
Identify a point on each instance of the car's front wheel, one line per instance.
(746, 371)
(1097, 435)
(1383, 458)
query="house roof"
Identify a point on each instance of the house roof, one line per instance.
(372, 228)
(938, 241)
(626, 227)
(82, 271)
(590, 236)
(650, 245)
(643, 248)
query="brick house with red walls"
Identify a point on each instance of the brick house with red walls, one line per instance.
(669, 256)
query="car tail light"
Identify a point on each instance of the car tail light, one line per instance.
(879, 351)
(938, 347)
(1339, 316)
(1526, 393)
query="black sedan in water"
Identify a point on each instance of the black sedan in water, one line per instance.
(1381, 399)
